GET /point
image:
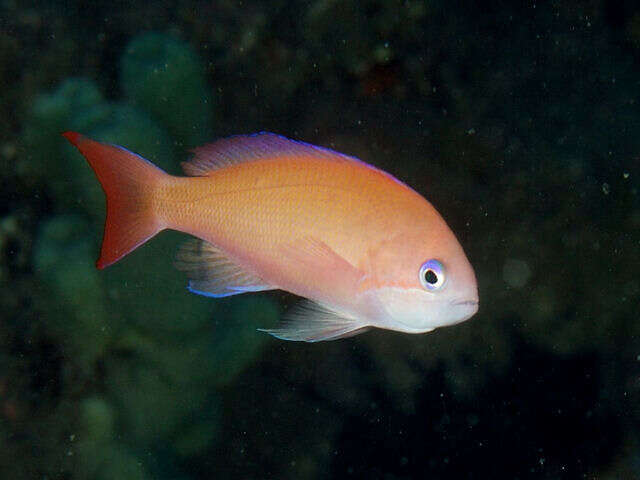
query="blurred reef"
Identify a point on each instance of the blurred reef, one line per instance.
(520, 123)
(120, 357)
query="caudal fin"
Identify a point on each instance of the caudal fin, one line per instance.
(128, 181)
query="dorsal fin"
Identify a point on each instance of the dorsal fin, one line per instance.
(249, 148)
(212, 273)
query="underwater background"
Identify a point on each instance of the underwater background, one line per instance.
(519, 121)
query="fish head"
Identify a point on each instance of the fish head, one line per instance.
(422, 281)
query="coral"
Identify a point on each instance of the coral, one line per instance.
(160, 361)
(165, 77)
(49, 115)
(78, 105)
(98, 419)
(75, 307)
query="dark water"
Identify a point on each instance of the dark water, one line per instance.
(520, 123)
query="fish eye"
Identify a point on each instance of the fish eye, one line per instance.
(432, 276)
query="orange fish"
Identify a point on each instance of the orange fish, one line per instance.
(363, 248)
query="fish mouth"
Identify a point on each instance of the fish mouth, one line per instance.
(470, 303)
(466, 308)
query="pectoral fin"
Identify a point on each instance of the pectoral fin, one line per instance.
(328, 278)
(331, 284)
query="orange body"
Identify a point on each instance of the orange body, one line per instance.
(251, 210)
(275, 213)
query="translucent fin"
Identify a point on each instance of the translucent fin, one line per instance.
(249, 148)
(312, 322)
(213, 274)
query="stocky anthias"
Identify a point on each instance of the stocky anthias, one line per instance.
(268, 212)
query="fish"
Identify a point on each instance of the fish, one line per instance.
(266, 212)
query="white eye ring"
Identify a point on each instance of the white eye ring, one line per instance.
(432, 275)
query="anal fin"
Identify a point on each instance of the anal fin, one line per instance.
(313, 322)
(213, 273)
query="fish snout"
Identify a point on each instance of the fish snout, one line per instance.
(466, 302)
(465, 308)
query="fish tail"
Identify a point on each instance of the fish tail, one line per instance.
(128, 181)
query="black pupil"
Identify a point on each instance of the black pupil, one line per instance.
(431, 277)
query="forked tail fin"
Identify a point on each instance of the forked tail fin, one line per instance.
(128, 181)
